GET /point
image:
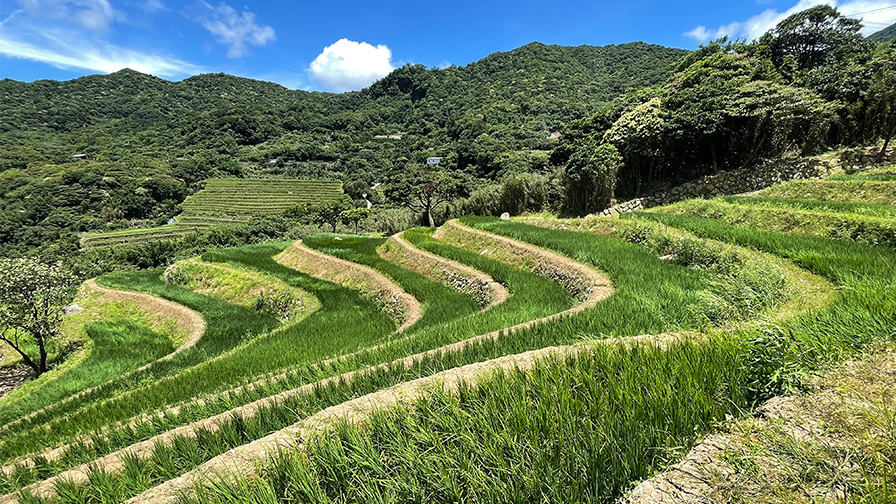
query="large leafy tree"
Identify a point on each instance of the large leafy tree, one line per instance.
(640, 135)
(331, 213)
(32, 296)
(882, 96)
(813, 37)
(590, 177)
(424, 189)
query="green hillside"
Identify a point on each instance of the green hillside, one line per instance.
(885, 35)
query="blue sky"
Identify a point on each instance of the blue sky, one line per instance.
(342, 45)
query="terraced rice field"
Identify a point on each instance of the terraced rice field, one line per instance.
(226, 201)
(542, 359)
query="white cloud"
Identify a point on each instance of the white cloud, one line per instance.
(91, 14)
(235, 29)
(152, 6)
(349, 66)
(875, 14)
(53, 49)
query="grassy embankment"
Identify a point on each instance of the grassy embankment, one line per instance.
(481, 259)
(427, 452)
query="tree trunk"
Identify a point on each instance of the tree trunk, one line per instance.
(889, 136)
(43, 356)
(356, 226)
(38, 368)
(432, 223)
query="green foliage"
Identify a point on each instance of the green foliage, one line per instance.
(423, 190)
(813, 37)
(331, 213)
(354, 216)
(590, 178)
(32, 296)
(490, 118)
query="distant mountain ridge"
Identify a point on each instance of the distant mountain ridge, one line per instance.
(885, 35)
(585, 74)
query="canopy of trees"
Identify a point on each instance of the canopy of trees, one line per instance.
(156, 141)
(809, 84)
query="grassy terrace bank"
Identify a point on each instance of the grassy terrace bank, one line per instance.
(480, 352)
(263, 349)
(451, 448)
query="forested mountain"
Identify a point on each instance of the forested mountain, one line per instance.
(537, 128)
(155, 141)
(532, 90)
(885, 35)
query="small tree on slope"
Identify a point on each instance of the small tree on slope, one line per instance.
(32, 296)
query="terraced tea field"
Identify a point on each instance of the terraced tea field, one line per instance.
(226, 201)
(538, 359)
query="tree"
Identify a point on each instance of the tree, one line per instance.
(882, 97)
(331, 213)
(640, 136)
(32, 296)
(355, 216)
(814, 37)
(590, 177)
(423, 190)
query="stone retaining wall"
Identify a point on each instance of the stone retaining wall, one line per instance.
(741, 180)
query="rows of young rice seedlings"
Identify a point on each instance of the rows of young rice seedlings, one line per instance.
(504, 346)
(442, 304)
(227, 325)
(863, 312)
(494, 348)
(346, 321)
(868, 209)
(364, 251)
(536, 297)
(105, 327)
(492, 442)
(861, 228)
(581, 430)
(849, 191)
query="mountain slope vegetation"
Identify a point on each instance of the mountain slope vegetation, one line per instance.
(886, 35)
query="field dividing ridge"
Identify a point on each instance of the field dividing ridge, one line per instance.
(400, 306)
(190, 321)
(242, 462)
(459, 276)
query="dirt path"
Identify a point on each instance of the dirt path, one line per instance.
(402, 307)
(458, 276)
(188, 320)
(598, 288)
(831, 445)
(242, 462)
